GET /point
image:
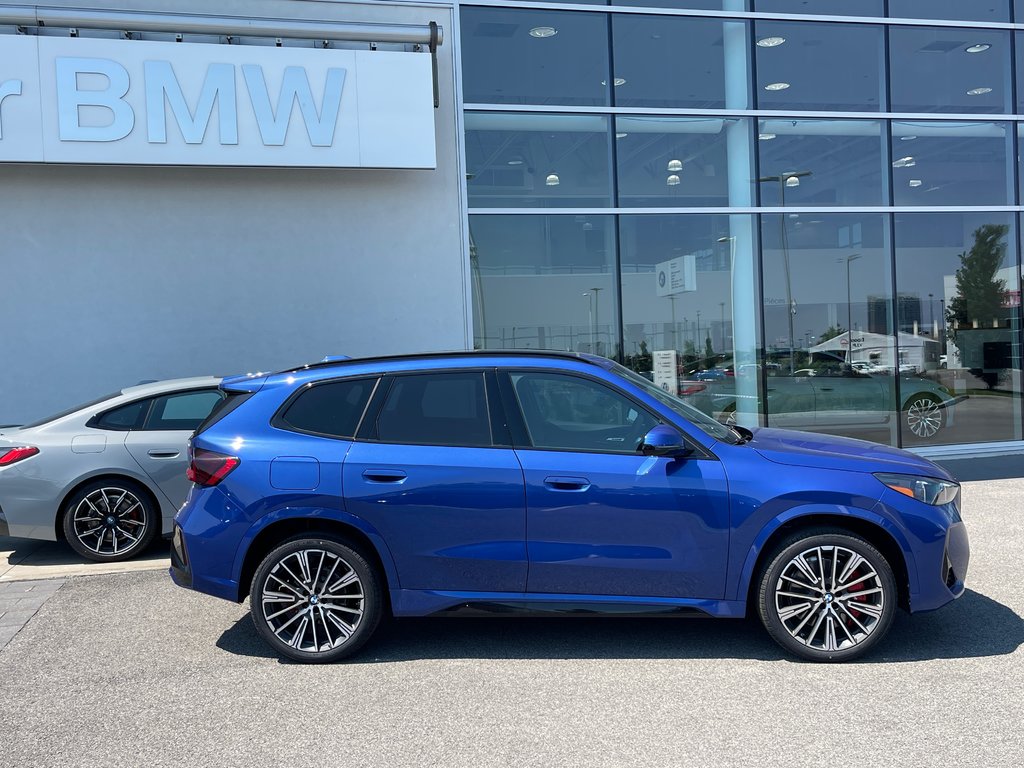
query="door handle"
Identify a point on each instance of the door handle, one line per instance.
(156, 454)
(824, 389)
(571, 484)
(384, 475)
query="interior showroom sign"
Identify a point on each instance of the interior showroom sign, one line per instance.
(79, 100)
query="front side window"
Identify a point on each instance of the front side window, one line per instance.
(436, 409)
(570, 413)
(183, 410)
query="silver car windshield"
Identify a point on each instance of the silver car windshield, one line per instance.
(703, 422)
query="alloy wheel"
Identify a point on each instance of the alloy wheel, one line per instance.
(109, 521)
(829, 598)
(924, 417)
(312, 600)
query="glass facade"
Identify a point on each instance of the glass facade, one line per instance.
(816, 218)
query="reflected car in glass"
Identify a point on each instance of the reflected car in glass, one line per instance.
(334, 495)
(107, 476)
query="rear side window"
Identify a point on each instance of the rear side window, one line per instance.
(333, 408)
(124, 418)
(436, 409)
(183, 410)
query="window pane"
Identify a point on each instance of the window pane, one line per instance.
(700, 5)
(570, 413)
(679, 276)
(677, 162)
(825, 274)
(436, 409)
(957, 277)
(818, 66)
(820, 162)
(969, 10)
(527, 56)
(652, 68)
(950, 163)
(946, 69)
(184, 411)
(537, 160)
(544, 282)
(332, 409)
(823, 7)
(124, 418)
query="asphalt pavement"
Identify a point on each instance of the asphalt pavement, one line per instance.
(128, 670)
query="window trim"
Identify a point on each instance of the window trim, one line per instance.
(520, 432)
(368, 431)
(277, 421)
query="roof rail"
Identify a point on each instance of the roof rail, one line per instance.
(578, 356)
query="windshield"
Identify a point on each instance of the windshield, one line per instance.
(703, 422)
(69, 411)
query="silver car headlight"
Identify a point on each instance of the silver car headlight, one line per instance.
(930, 490)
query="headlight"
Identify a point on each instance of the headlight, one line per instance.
(926, 489)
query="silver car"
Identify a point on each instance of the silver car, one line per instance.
(107, 476)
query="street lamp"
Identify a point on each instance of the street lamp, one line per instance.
(597, 315)
(788, 179)
(849, 309)
(675, 340)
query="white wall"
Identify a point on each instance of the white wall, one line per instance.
(111, 275)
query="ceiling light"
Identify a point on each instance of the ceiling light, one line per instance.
(543, 32)
(766, 136)
(978, 48)
(776, 86)
(907, 138)
(621, 135)
(770, 42)
(915, 182)
(672, 180)
(616, 82)
(979, 91)
(552, 180)
(792, 181)
(904, 162)
(674, 166)
(516, 161)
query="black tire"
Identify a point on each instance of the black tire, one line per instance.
(924, 417)
(292, 629)
(110, 520)
(838, 624)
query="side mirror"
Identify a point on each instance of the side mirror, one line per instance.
(664, 441)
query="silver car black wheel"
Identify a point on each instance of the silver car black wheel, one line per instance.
(316, 599)
(829, 598)
(313, 600)
(109, 520)
(924, 416)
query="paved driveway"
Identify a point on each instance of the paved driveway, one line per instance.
(128, 670)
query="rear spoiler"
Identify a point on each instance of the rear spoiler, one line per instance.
(246, 383)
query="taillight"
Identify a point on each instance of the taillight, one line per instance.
(690, 388)
(17, 454)
(207, 468)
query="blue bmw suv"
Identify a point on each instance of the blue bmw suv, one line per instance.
(339, 493)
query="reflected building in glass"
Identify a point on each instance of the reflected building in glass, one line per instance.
(813, 208)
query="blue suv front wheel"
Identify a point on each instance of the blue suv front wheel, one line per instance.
(315, 599)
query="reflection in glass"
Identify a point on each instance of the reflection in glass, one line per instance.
(820, 162)
(708, 5)
(544, 282)
(823, 7)
(680, 162)
(943, 163)
(957, 277)
(946, 69)
(968, 10)
(652, 68)
(818, 66)
(679, 276)
(830, 352)
(537, 160)
(526, 56)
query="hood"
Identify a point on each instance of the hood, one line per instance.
(809, 449)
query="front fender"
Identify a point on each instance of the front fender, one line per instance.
(308, 514)
(757, 547)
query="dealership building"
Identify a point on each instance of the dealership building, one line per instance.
(793, 213)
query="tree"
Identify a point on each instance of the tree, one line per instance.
(979, 294)
(709, 351)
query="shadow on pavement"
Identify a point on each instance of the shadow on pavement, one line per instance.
(973, 626)
(985, 468)
(26, 554)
